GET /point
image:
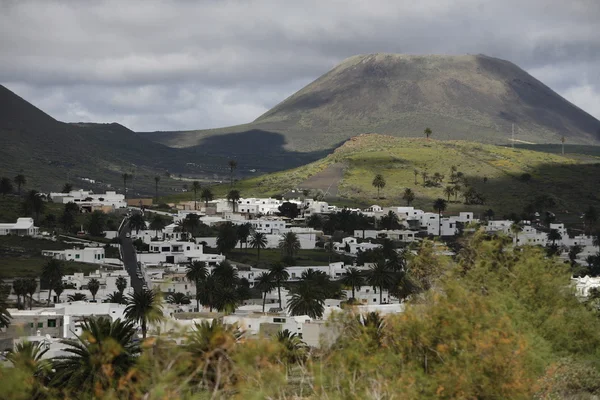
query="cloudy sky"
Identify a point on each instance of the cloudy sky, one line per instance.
(173, 65)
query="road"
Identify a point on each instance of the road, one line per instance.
(129, 256)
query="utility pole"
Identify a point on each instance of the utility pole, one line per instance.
(562, 140)
(513, 136)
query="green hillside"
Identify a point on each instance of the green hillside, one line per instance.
(495, 172)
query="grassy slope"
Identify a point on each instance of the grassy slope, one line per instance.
(573, 183)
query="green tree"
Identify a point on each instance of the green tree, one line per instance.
(380, 276)
(116, 298)
(408, 195)
(440, 206)
(4, 314)
(306, 299)
(448, 191)
(590, 219)
(390, 221)
(29, 356)
(416, 174)
(258, 241)
(196, 187)
(264, 283)
(98, 358)
(67, 188)
(69, 216)
(226, 238)
(20, 289)
(233, 196)
(379, 183)
(144, 307)
(289, 244)
(294, 350)
(121, 284)
(137, 222)
(52, 273)
(178, 298)
(6, 186)
(197, 272)
(516, 228)
(206, 195)
(93, 286)
(554, 235)
(31, 289)
(77, 297)
(156, 181)
(20, 181)
(279, 274)
(232, 167)
(157, 224)
(96, 223)
(354, 279)
(125, 176)
(33, 204)
(58, 288)
(427, 132)
(243, 231)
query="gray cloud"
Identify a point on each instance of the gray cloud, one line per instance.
(162, 65)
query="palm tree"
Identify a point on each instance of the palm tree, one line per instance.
(196, 187)
(116, 298)
(20, 290)
(590, 219)
(178, 298)
(156, 180)
(379, 183)
(416, 173)
(380, 276)
(243, 231)
(428, 133)
(264, 283)
(258, 241)
(157, 224)
(289, 244)
(440, 205)
(562, 141)
(137, 223)
(28, 356)
(425, 176)
(4, 314)
(408, 195)
(144, 307)
(233, 196)
(456, 190)
(52, 273)
(31, 287)
(449, 191)
(58, 288)
(554, 235)
(121, 284)
(294, 349)
(353, 278)
(6, 186)
(515, 229)
(488, 214)
(93, 285)
(20, 180)
(232, 167)
(196, 272)
(67, 188)
(206, 195)
(279, 274)
(100, 356)
(77, 297)
(125, 177)
(34, 204)
(306, 299)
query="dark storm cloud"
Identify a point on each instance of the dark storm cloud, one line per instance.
(158, 65)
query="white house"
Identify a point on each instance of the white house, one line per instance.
(23, 227)
(87, 198)
(394, 234)
(350, 245)
(174, 252)
(93, 255)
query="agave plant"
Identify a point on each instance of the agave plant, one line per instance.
(103, 353)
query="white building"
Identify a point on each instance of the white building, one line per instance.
(584, 284)
(394, 234)
(174, 252)
(23, 227)
(350, 245)
(94, 255)
(87, 198)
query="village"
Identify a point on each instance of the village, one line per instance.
(184, 253)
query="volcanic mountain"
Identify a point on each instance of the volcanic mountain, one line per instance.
(469, 97)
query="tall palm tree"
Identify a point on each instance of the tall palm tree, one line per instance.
(4, 314)
(121, 284)
(144, 307)
(306, 299)
(116, 298)
(157, 224)
(379, 183)
(58, 288)
(96, 359)
(416, 173)
(156, 180)
(206, 195)
(232, 167)
(289, 244)
(34, 204)
(258, 241)
(448, 191)
(456, 190)
(440, 206)
(196, 272)
(77, 297)
(196, 187)
(294, 349)
(28, 356)
(554, 235)
(428, 133)
(93, 286)
(380, 276)
(125, 177)
(52, 273)
(233, 196)
(20, 180)
(31, 287)
(137, 222)
(516, 229)
(279, 274)
(265, 284)
(20, 290)
(353, 278)
(408, 195)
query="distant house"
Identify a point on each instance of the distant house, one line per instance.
(23, 227)
(89, 255)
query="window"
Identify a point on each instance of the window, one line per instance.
(51, 323)
(77, 256)
(188, 247)
(31, 324)
(40, 324)
(279, 320)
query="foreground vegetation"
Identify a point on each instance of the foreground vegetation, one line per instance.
(496, 322)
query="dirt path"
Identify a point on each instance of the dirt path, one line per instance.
(326, 180)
